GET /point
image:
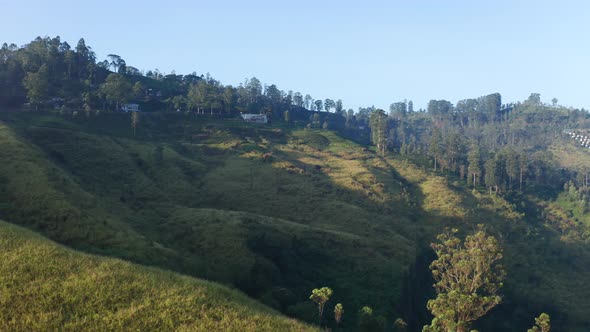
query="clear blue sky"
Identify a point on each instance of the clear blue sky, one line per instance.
(364, 52)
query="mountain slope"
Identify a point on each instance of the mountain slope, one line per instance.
(284, 210)
(48, 287)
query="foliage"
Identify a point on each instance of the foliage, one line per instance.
(399, 325)
(467, 277)
(338, 312)
(542, 324)
(368, 322)
(320, 296)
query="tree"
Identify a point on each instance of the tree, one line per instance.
(298, 99)
(378, 124)
(138, 90)
(229, 99)
(320, 297)
(435, 147)
(339, 106)
(134, 121)
(368, 322)
(273, 94)
(534, 99)
(467, 280)
(474, 159)
(308, 101)
(37, 86)
(117, 63)
(399, 325)
(491, 176)
(338, 311)
(542, 324)
(178, 102)
(398, 110)
(523, 167)
(329, 104)
(318, 105)
(512, 165)
(454, 150)
(410, 106)
(116, 89)
(253, 90)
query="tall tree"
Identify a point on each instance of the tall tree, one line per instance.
(378, 124)
(492, 177)
(318, 105)
(467, 278)
(339, 106)
(398, 110)
(329, 104)
(320, 296)
(229, 99)
(454, 150)
(37, 86)
(116, 62)
(522, 168)
(435, 146)
(512, 165)
(308, 101)
(474, 169)
(298, 99)
(116, 89)
(134, 121)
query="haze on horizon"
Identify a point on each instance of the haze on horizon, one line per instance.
(370, 54)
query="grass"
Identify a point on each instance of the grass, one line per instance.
(285, 210)
(46, 287)
(185, 205)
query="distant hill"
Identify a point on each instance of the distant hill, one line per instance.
(46, 287)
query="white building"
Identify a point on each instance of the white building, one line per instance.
(255, 118)
(130, 108)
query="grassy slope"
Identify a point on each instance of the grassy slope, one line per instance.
(320, 211)
(45, 286)
(305, 218)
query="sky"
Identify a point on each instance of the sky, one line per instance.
(363, 52)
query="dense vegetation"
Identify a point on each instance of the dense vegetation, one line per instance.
(303, 202)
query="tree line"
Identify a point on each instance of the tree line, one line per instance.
(47, 72)
(502, 147)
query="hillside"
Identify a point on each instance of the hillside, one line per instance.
(285, 209)
(47, 287)
(308, 216)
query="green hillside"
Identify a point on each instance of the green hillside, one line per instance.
(274, 211)
(306, 216)
(46, 287)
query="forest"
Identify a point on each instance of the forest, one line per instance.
(517, 167)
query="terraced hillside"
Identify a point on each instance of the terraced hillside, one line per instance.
(272, 210)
